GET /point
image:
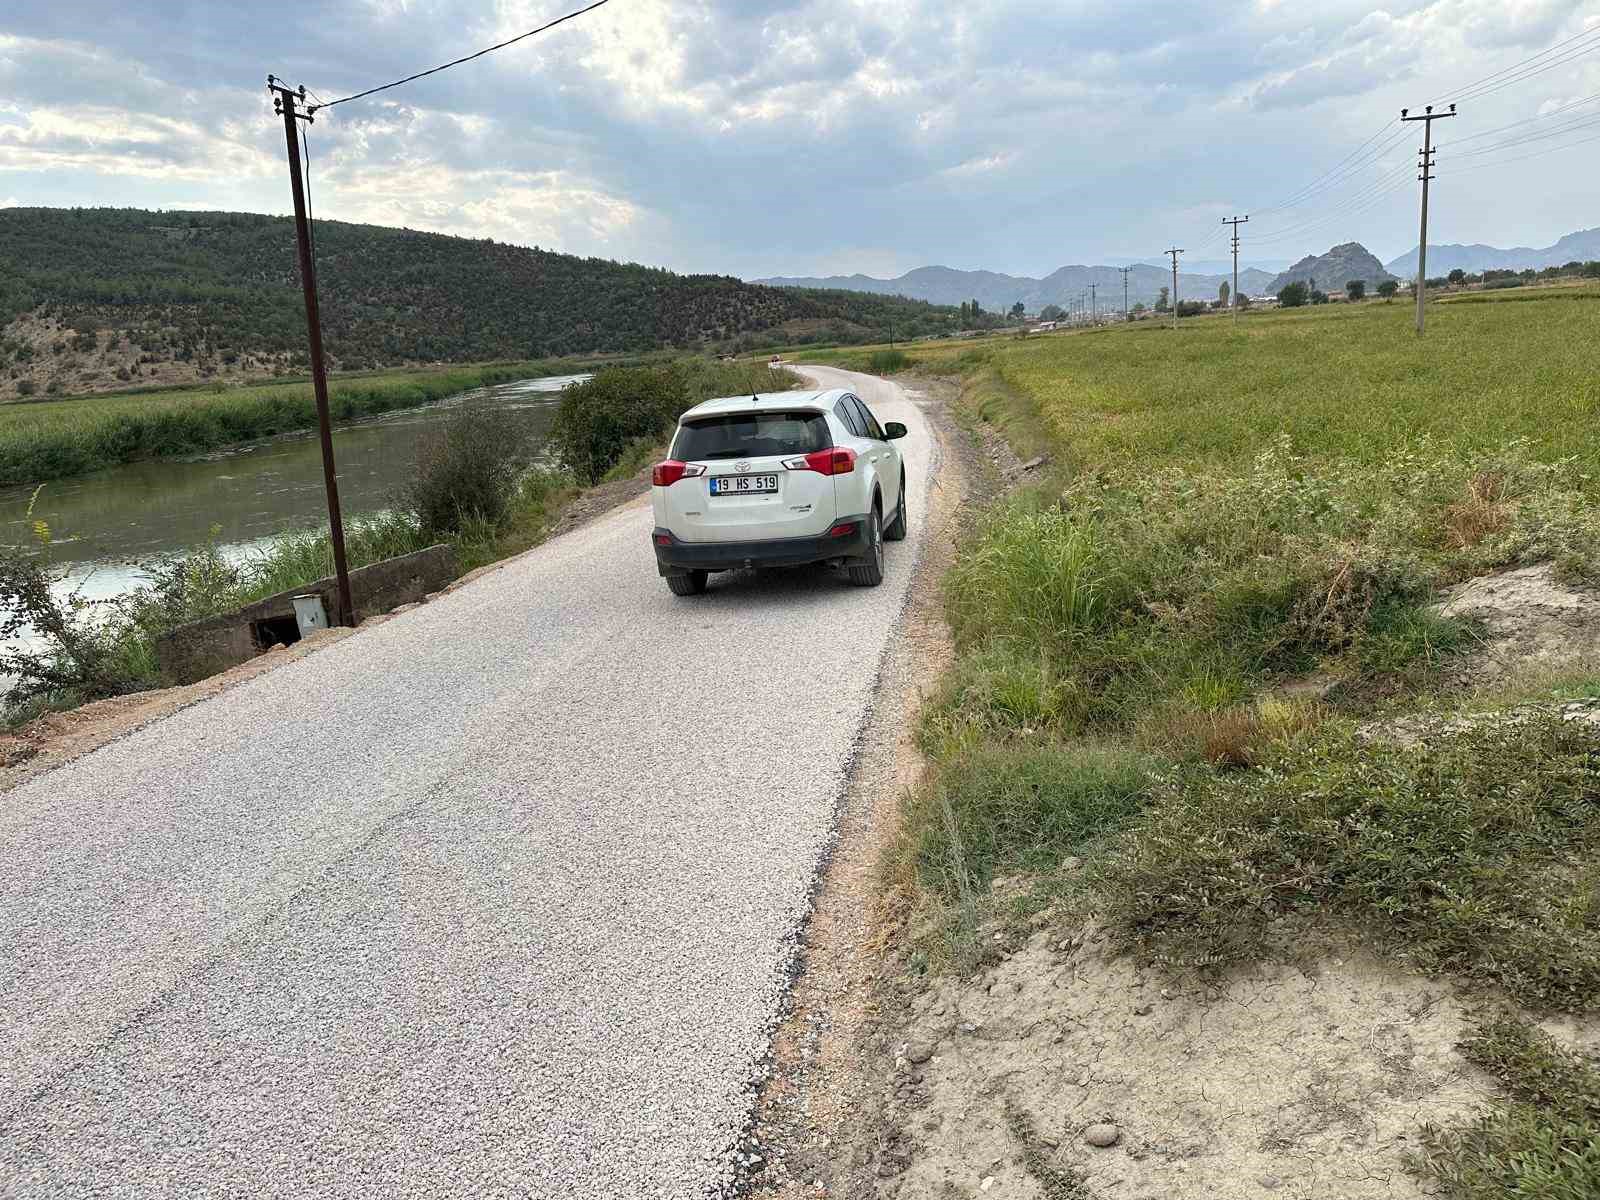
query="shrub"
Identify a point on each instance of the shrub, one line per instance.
(887, 362)
(467, 470)
(1294, 295)
(599, 418)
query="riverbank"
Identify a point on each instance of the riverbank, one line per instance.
(1263, 792)
(60, 438)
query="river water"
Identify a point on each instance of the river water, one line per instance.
(103, 525)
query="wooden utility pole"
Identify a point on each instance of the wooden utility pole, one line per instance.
(1094, 305)
(285, 105)
(1234, 299)
(1424, 173)
(1124, 271)
(1174, 252)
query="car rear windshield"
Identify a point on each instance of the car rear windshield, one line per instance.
(747, 435)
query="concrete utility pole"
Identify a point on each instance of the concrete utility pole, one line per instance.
(285, 104)
(1094, 305)
(1424, 173)
(1174, 252)
(1124, 271)
(1234, 299)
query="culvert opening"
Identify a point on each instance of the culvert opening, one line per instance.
(273, 631)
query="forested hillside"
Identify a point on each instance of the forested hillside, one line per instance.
(99, 298)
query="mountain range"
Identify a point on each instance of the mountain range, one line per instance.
(1582, 246)
(998, 292)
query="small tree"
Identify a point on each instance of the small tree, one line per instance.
(1294, 295)
(1458, 276)
(1387, 289)
(1161, 301)
(1017, 311)
(1318, 296)
(1356, 289)
(1241, 301)
(1138, 307)
(1051, 312)
(1222, 294)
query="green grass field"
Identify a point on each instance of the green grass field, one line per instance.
(1168, 645)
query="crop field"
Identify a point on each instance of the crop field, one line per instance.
(1338, 379)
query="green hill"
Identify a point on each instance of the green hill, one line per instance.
(92, 299)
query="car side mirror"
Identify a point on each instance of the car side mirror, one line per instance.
(893, 430)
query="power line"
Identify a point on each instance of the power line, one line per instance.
(1531, 72)
(1588, 121)
(1462, 93)
(464, 59)
(1554, 112)
(1295, 197)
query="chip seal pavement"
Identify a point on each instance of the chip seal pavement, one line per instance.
(497, 898)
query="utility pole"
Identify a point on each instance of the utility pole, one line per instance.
(1174, 252)
(1235, 222)
(285, 105)
(1424, 173)
(1124, 271)
(1094, 305)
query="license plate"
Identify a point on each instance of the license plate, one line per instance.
(742, 485)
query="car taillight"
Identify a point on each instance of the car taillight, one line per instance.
(668, 473)
(842, 529)
(837, 460)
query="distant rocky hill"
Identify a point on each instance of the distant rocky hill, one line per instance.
(1582, 246)
(998, 292)
(1331, 271)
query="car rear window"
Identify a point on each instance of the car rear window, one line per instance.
(746, 435)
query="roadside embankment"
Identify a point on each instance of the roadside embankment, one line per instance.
(1249, 858)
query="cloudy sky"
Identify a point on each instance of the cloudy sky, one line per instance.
(815, 136)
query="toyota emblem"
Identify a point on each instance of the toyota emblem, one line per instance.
(741, 467)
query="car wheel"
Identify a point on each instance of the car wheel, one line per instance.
(897, 527)
(869, 571)
(691, 584)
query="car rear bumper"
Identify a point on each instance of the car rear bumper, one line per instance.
(675, 557)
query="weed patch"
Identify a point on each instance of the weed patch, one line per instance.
(1468, 853)
(1542, 1142)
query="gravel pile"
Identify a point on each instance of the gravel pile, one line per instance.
(497, 898)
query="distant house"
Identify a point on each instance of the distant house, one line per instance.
(1044, 326)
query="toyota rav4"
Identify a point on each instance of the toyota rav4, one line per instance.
(777, 480)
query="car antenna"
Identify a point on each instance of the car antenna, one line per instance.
(755, 398)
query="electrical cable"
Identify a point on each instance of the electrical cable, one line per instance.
(1554, 112)
(466, 58)
(311, 224)
(1475, 85)
(1531, 72)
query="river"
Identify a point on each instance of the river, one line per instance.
(104, 524)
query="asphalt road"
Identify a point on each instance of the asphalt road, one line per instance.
(495, 899)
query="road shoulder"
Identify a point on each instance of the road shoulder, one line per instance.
(818, 1122)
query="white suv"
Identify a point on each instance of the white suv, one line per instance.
(777, 480)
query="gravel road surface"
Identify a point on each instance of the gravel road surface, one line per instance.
(497, 898)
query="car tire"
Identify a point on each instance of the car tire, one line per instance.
(896, 532)
(868, 572)
(691, 584)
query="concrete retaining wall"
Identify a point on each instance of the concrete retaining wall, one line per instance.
(203, 648)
